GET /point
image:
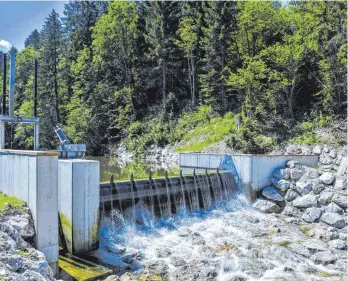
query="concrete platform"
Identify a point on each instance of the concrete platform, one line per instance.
(81, 269)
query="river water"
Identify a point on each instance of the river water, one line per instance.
(140, 169)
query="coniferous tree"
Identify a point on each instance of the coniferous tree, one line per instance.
(33, 40)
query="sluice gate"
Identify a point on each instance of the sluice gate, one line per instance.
(166, 195)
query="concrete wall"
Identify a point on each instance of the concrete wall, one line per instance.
(255, 170)
(78, 193)
(33, 177)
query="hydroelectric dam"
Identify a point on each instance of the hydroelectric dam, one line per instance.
(68, 201)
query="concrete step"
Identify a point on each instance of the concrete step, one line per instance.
(80, 269)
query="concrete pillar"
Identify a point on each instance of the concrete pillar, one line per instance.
(2, 135)
(78, 203)
(33, 177)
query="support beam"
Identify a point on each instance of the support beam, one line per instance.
(12, 53)
(2, 135)
(36, 136)
(4, 87)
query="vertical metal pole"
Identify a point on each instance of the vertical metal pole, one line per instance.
(4, 88)
(36, 136)
(12, 53)
(35, 88)
(2, 135)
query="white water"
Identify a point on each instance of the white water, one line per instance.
(228, 241)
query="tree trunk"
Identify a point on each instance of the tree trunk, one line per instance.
(164, 84)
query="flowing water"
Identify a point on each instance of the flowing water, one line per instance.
(200, 229)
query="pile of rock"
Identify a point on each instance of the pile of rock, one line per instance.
(18, 259)
(330, 158)
(306, 195)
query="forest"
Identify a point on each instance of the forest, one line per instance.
(252, 74)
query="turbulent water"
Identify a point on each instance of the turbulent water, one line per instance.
(229, 242)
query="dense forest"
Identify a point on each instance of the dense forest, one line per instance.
(251, 74)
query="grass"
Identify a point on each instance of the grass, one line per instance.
(12, 201)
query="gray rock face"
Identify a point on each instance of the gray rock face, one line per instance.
(292, 164)
(22, 223)
(305, 201)
(282, 174)
(297, 172)
(337, 244)
(272, 194)
(304, 187)
(313, 174)
(30, 276)
(340, 200)
(340, 183)
(291, 211)
(317, 186)
(157, 266)
(291, 195)
(15, 261)
(312, 214)
(316, 149)
(333, 153)
(266, 206)
(333, 208)
(323, 258)
(325, 159)
(327, 178)
(282, 185)
(325, 197)
(333, 219)
(300, 249)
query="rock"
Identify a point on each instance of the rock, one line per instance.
(30, 276)
(23, 224)
(303, 187)
(112, 278)
(325, 159)
(317, 186)
(313, 174)
(156, 266)
(291, 195)
(327, 178)
(266, 206)
(15, 261)
(322, 233)
(115, 248)
(291, 211)
(299, 249)
(340, 183)
(333, 208)
(333, 153)
(340, 200)
(197, 239)
(333, 219)
(282, 185)
(163, 252)
(237, 278)
(292, 164)
(297, 172)
(323, 258)
(7, 244)
(326, 149)
(282, 174)
(312, 214)
(305, 201)
(317, 149)
(177, 261)
(272, 194)
(337, 244)
(128, 258)
(13, 233)
(325, 197)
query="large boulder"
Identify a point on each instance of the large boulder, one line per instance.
(317, 149)
(272, 194)
(325, 159)
(282, 174)
(337, 244)
(291, 195)
(282, 185)
(333, 208)
(340, 183)
(317, 186)
(305, 201)
(313, 174)
(303, 187)
(297, 172)
(266, 206)
(323, 258)
(312, 214)
(159, 267)
(292, 164)
(333, 219)
(291, 211)
(340, 200)
(327, 178)
(23, 224)
(325, 197)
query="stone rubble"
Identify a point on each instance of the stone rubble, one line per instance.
(19, 261)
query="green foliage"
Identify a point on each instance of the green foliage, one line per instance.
(10, 201)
